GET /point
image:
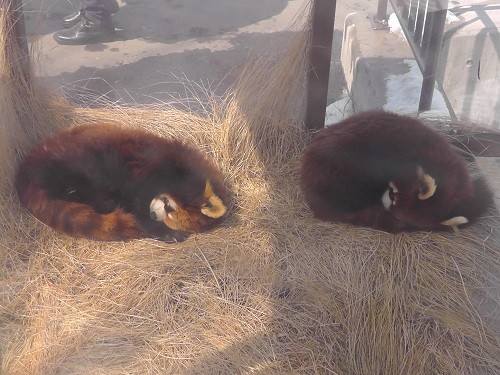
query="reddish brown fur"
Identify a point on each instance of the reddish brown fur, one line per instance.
(97, 181)
(348, 166)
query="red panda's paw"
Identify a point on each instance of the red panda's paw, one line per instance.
(175, 237)
(389, 223)
(397, 227)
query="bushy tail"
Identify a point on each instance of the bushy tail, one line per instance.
(77, 219)
(482, 201)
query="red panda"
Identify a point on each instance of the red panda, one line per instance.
(107, 182)
(390, 172)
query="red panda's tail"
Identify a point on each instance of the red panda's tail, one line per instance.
(482, 201)
(77, 219)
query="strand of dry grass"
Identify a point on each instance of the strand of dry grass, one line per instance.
(24, 107)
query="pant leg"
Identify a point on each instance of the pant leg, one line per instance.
(98, 10)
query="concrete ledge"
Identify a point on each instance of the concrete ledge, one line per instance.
(380, 70)
(368, 57)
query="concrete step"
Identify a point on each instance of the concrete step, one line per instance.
(380, 70)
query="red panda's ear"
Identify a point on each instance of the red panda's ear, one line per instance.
(215, 208)
(427, 183)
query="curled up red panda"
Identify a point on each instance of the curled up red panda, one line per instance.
(390, 172)
(108, 182)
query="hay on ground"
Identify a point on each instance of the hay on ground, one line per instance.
(272, 291)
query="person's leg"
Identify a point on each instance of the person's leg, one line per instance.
(93, 25)
(75, 17)
(97, 10)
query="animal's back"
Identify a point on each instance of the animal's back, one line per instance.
(109, 182)
(349, 166)
(62, 180)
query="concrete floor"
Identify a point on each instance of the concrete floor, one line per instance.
(163, 44)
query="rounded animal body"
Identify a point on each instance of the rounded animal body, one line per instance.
(390, 172)
(108, 182)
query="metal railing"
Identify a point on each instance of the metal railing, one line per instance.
(422, 22)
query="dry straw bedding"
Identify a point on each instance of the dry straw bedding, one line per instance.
(272, 291)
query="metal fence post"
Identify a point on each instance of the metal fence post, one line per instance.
(437, 21)
(319, 68)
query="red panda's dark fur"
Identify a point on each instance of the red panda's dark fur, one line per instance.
(96, 181)
(348, 166)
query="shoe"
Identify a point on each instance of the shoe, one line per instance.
(77, 15)
(85, 32)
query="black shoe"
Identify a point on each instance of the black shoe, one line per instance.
(85, 32)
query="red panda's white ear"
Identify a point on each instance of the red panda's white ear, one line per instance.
(428, 184)
(393, 187)
(454, 221)
(215, 208)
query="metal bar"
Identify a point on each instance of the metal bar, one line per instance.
(405, 10)
(431, 59)
(419, 25)
(320, 55)
(412, 16)
(426, 36)
(409, 36)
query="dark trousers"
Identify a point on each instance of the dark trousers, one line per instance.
(100, 10)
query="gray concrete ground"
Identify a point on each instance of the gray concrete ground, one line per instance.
(162, 44)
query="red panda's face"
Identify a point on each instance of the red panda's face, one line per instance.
(416, 200)
(192, 217)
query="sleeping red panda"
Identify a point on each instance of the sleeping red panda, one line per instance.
(390, 172)
(107, 182)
